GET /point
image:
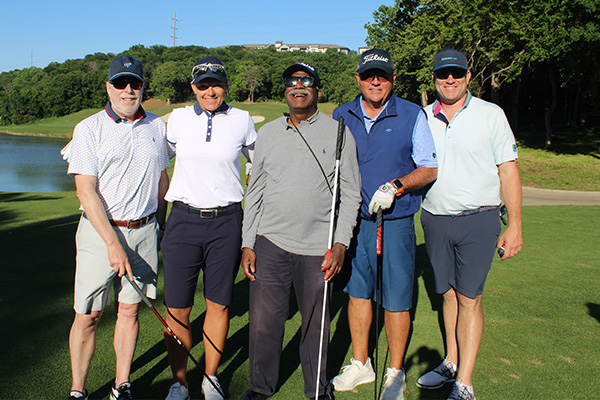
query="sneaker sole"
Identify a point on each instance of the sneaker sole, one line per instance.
(361, 382)
(434, 387)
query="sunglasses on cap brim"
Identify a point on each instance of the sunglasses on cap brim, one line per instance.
(122, 82)
(203, 69)
(306, 81)
(444, 73)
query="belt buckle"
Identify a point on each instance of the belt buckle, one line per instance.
(208, 213)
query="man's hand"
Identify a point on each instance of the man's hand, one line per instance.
(249, 263)
(512, 241)
(383, 198)
(334, 264)
(118, 260)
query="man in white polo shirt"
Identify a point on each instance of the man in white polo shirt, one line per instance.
(119, 158)
(476, 166)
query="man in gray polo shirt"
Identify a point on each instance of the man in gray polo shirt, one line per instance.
(285, 230)
(119, 158)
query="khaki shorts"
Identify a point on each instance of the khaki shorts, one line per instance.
(94, 275)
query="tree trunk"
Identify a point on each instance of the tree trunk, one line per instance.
(424, 98)
(514, 113)
(550, 108)
(495, 88)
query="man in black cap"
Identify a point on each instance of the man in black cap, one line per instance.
(478, 155)
(119, 158)
(396, 157)
(285, 231)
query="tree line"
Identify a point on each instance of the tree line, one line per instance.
(253, 75)
(538, 60)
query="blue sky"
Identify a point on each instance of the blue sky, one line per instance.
(57, 31)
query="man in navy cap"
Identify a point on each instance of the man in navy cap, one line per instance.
(396, 157)
(285, 231)
(118, 158)
(478, 170)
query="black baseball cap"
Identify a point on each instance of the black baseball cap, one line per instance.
(125, 66)
(208, 68)
(375, 59)
(309, 69)
(450, 58)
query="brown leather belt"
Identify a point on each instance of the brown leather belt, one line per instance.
(132, 224)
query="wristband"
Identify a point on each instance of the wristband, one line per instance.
(399, 187)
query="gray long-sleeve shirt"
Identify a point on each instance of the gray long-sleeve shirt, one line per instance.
(288, 200)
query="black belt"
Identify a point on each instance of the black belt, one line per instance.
(209, 212)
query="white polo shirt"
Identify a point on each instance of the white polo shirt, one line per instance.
(208, 149)
(126, 158)
(469, 148)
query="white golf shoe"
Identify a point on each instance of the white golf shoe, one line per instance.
(394, 386)
(354, 374)
(177, 391)
(209, 391)
(443, 373)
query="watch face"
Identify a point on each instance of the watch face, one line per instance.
(397, 183)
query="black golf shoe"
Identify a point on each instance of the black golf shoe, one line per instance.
(122, 393)
(251, 395)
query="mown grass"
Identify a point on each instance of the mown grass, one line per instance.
(542, 316)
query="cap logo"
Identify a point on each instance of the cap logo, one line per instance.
(127, 65)
(310, 67)
(374, 57)
(449, 58)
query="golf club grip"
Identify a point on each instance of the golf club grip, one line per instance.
(340, 135)
(139, 291)
(379, 229)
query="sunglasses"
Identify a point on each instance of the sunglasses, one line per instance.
(457, 73)
(306, 81)
(205, 86)
(202, 69)
(121, 83)
(370, 77)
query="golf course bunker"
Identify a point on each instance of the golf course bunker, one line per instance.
(258, 118)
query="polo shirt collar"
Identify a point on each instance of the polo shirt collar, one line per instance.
(389, 108)
(437, 106)
(310, 120)
(223, 108)
(115, 117)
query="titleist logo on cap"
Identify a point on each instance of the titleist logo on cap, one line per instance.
(374, 57)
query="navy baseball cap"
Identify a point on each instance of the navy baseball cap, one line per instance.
(309, 69)
(375, 59)
(208, 68)
(450, 58)
(125, 66)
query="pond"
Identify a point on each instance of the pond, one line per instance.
(33, 164)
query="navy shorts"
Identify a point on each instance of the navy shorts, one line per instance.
(192, 243)
(398, 268)
(461, 249)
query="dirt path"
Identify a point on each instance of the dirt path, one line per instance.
(552, 197)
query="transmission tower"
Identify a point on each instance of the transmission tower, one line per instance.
(174, 29)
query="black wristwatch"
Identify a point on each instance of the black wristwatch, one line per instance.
(398, 185)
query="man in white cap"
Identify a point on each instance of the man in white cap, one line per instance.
(118, 158)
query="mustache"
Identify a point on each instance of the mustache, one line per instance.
(294, 92)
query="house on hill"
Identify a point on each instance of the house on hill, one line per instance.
(306, 47)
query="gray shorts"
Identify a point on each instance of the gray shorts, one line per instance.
(94, 275)
(461, 249)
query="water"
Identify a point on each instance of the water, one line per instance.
(33, 164)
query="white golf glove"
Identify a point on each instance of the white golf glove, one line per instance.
(66, 151)
(383, 198)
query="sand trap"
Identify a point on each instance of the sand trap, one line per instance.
(258, 118)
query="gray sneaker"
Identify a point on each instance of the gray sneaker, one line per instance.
(209, 391)
(444, 373)
(394, 386)
(461, 392)
(177, 391)
(354, 374)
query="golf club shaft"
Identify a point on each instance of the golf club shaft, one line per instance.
(173, 335)
(338, 155)
(378, 290)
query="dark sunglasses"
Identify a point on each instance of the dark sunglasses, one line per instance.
(306, 81)
(205, 86)
(202, 69)
(121, 83)
(457, 73)
(369, 77)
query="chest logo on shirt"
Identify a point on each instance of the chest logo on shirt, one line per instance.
(324, 152)
(388, 130)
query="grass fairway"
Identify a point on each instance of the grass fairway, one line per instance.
(542, 316)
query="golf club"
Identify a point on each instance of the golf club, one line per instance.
(173, 335)
(378, 289)
(338, 154)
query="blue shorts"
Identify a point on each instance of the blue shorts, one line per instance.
(398, 268)
(192, 243)
(461, 249)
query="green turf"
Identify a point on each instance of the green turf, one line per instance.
(542, 316)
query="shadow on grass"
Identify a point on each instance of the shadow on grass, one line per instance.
(6, 197)
(594, 310)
